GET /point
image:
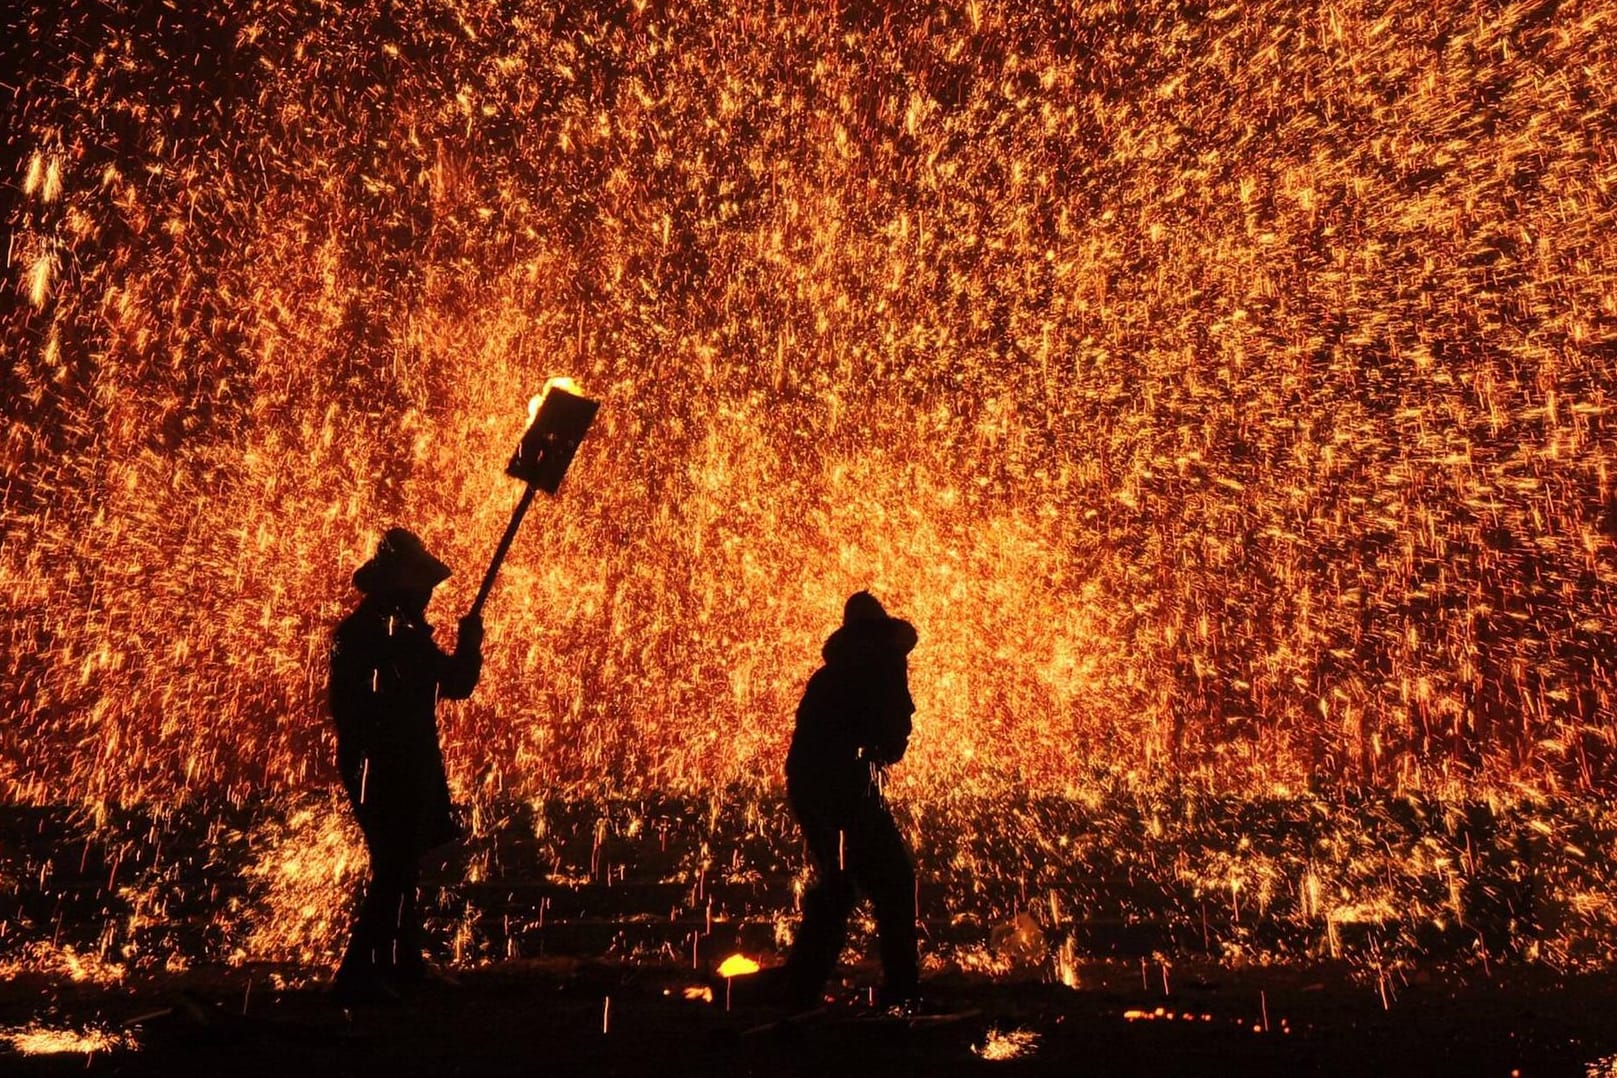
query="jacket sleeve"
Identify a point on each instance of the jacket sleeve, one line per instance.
(895, 705)
(458, 673)
(893, 716)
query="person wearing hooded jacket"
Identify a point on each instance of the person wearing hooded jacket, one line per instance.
(387, 675)
(852, 723)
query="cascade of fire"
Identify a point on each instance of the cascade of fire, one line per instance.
(1224, 392)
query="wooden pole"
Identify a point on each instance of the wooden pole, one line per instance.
(503, 549)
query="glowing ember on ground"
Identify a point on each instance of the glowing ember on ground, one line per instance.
(1166, 1014)
(1012, 1044)
(39, 1040)
(1163, 1014)
(737, 966)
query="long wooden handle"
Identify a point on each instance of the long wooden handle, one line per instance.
(503, 549)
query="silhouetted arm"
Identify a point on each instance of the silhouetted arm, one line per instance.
(893, 717)
(895, 705)
(458, 673)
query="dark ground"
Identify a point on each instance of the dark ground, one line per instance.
(545, 1017)
(548, 912)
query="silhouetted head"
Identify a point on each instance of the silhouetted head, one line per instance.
(868, 631)
(862, 606)
(401, 572)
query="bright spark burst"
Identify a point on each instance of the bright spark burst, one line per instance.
(1010, 1044)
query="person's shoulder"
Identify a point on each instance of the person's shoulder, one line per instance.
(355, 620)
(360, 628)
(823, 686)
(836, 646)
(347, 629)
(870, 642)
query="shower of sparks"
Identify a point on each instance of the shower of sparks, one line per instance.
(302, 874)
(1223, 392)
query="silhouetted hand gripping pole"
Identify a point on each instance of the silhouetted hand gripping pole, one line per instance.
(559, 425)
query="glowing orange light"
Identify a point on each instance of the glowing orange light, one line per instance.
(561, 382)
(737, 965)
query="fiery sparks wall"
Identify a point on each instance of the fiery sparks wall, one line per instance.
(1221, 391)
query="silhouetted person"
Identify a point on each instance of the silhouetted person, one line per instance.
(387, 675)
(853, 722)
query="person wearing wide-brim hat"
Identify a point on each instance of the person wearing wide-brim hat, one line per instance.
(852, 724)
(387, 675)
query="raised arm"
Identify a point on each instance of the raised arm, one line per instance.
(458, 675)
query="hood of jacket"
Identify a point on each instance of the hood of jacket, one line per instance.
(869, 641)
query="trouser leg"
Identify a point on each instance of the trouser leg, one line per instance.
(401, 942)
(385, 924)
(879, 861)
(826, 906)
(408, 960)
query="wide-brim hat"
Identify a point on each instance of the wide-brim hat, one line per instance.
(401, 563)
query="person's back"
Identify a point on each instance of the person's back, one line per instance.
(855, 712)
(853, 721)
